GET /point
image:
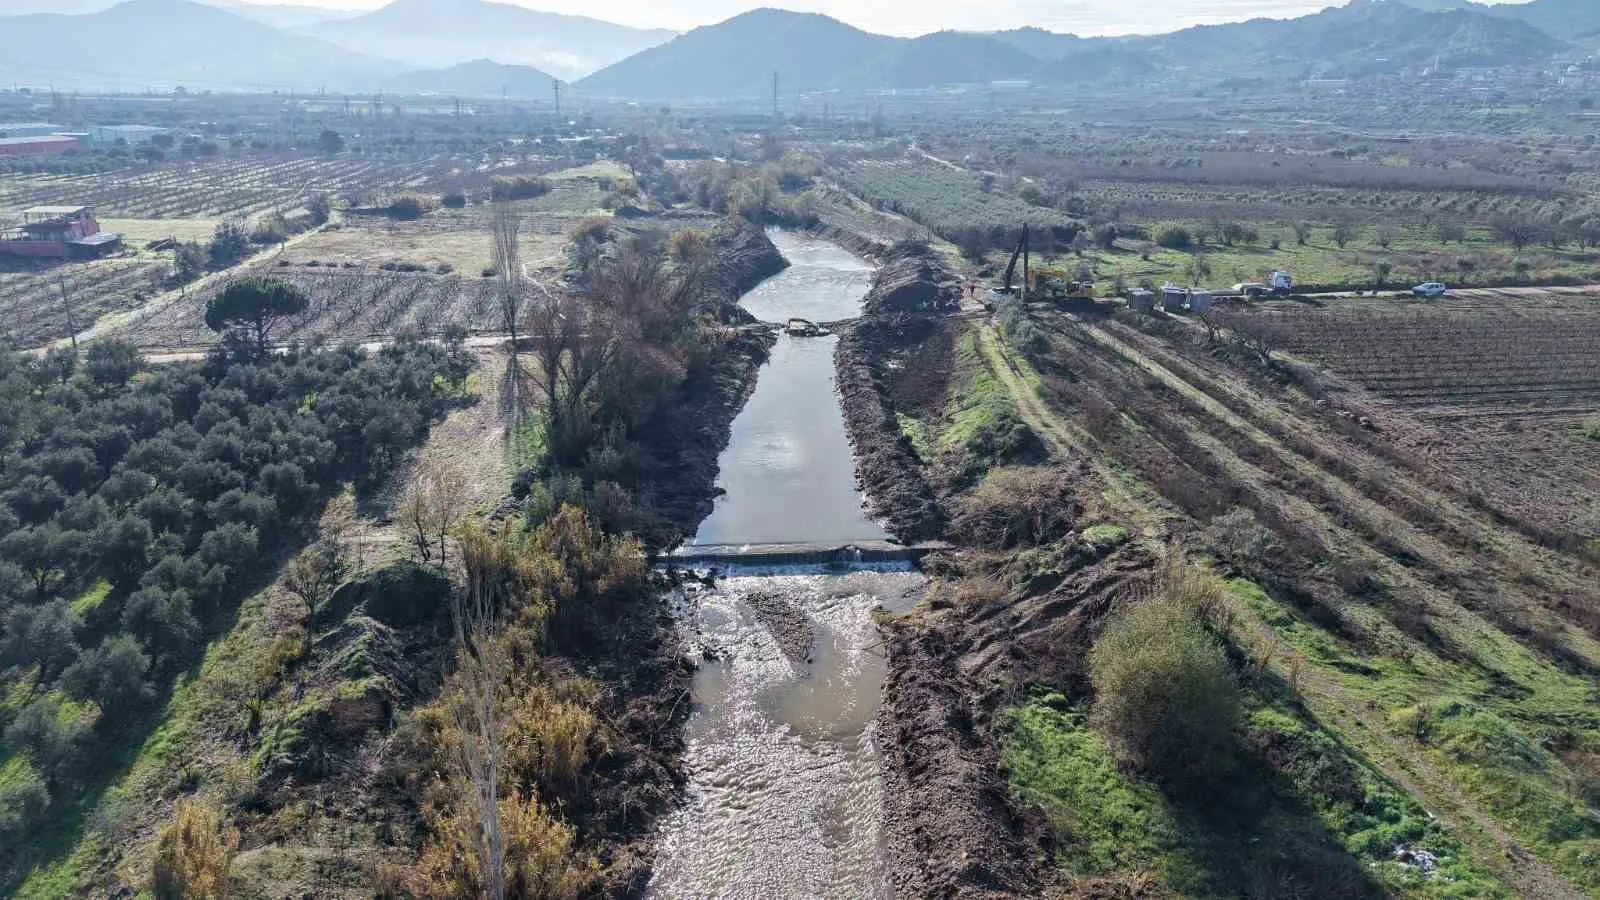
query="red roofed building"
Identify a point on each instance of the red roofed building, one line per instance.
(38, 146)
(58, 232)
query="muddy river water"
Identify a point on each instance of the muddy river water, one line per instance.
(784, 798)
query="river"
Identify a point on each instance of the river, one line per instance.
(784, 796)
(787, 474)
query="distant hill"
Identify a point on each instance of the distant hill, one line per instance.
(438, 33)
(808, 51)
(281, 15)
(1363, 38)
(479, 78)
(1040, 44)
(174, 42)
(1566, 19)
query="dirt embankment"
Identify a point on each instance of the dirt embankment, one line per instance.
(914, 279)
(683, 442)
(743, 257)
(887, 464)
(858, 242)
(955, 665)
(909, 296)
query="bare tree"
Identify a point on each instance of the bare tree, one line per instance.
(508, 274)
(317, 571)
(431, 507)
(481, 666)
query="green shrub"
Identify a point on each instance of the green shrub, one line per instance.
(1164, 696)
(411, 206)
(518, 187)
(1175, 237)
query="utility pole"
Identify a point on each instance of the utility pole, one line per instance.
(555, 85)
(66, 306)
(774, 94)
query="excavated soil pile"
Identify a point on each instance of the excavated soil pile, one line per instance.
(887, 464)
(914, 279)
(743, 257)
(909, 295)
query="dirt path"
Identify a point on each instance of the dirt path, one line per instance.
(1064, 439)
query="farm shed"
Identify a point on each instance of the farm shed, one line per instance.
(37, 146)
(58, 232)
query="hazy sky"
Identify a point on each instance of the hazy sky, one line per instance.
(911, 17)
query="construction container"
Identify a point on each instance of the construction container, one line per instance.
(1173, 298)
(1199, 301)
(1141, 300)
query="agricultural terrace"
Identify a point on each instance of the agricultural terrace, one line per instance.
(944, 198)
(1501, 386)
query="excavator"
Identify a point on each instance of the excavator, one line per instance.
(1044, 283)
(996, 294)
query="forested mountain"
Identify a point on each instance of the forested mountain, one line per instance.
(438, 33)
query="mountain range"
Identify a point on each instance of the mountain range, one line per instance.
(174, 42)
(483, 48)
(437, 33)
(811, 52)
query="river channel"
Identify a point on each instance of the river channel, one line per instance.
(784, 796)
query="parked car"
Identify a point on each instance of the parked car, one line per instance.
(1429, 290)
(1250, 289)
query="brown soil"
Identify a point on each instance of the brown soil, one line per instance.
(887, 464)
(954, 665)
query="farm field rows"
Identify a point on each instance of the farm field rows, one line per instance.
(231, 188)
(32, 308)
(1388, 585)
(1501, 386)
(346, 304)
(435, 276)
(1413, 253)
(942, 198)
(1156, 201)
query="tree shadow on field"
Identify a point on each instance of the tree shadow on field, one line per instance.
(1253, 836)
